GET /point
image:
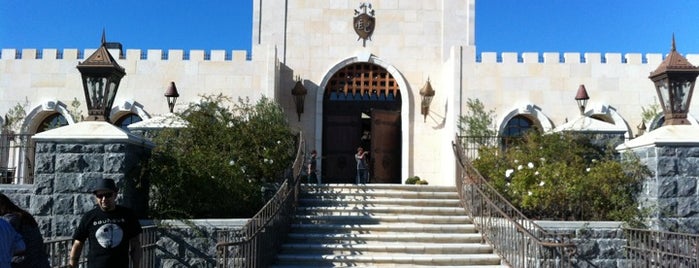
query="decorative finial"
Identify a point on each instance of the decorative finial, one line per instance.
(673, 42)
(104, 36)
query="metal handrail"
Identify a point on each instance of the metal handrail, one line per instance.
(16, 158)
(259, 237)
(652, 248)
(58, 249)
(520, 241)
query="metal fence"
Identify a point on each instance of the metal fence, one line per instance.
(648, 248)
(59, 249)
(259, 240)
(16, 159)
(520, 241)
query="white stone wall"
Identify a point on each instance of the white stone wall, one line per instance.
(413, 39)
(35, 82)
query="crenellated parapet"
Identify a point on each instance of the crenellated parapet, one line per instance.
(575, 58)
(129, 54)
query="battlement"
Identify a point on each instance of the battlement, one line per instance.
(131, 54)
(576, 57)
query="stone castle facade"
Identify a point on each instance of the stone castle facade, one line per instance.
(413, 41)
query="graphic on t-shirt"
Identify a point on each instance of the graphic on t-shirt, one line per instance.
(109, 235)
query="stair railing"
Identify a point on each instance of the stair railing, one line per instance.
(518, 240)
(654, 248)
(258, 242)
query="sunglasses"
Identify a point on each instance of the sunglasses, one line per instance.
(102, 195)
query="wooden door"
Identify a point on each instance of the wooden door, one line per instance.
(341, 134)
(385, 154)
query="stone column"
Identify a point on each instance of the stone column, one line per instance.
(670, 193)
(70, 159)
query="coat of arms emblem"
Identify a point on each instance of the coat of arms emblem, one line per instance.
(364, 21)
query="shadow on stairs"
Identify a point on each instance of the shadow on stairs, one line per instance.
(388, 225)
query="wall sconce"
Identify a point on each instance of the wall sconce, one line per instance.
(674, 83)
(171, 95)
(426, 93)
(101, 76)
(581, 98)
(299, 92)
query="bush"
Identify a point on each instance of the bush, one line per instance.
(564, 177)
(412, 180)
(218, 166)
(415, 180)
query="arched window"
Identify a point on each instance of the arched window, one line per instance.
(52, 121)
(126, 120)
(515, 129)
(657, 122)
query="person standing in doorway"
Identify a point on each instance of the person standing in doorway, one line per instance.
(113, 232)
(25, 224)
(312, 168)
(361, 165)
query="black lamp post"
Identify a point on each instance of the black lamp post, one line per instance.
(426, 93)
(581, 98)
(171, 95)
(101, 76)
(674, 82)
(299, 92)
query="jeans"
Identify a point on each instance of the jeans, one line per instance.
(362, 175)
(312, 178)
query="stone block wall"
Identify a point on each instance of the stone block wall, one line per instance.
(65, 173)
(670, 193)
(191, 243)
(599, 244)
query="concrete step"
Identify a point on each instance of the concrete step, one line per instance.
(363, 218)
(376, 187)
(381, 195)
(362, 238)
(391, 259)
(382, 228)
(351, 210)
(360, 201)
(402, 247)
(383, 225)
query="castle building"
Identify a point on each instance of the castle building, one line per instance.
(366, 68)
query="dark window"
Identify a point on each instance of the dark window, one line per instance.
(52, 121)
(126, 120)
(658, 123)
(515, 129)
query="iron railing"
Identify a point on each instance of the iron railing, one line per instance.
(648, 248)
(520, 241)
(16, 158)
(59, 249)
(259, 240)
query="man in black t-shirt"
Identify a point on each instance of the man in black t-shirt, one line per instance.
(111, 229)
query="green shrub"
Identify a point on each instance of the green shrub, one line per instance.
(216, 167)
(564, 177)
(415, 180)
(412, 180)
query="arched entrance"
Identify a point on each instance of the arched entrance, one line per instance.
(362, 103)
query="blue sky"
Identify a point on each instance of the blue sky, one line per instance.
(621, 26)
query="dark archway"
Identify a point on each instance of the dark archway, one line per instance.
(357, 98)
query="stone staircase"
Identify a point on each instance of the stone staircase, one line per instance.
(388, 225)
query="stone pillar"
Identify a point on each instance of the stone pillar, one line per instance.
(670, 193)
(70, 159)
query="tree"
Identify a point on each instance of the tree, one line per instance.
(14, 117)
(477, 123)
(216, 167)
